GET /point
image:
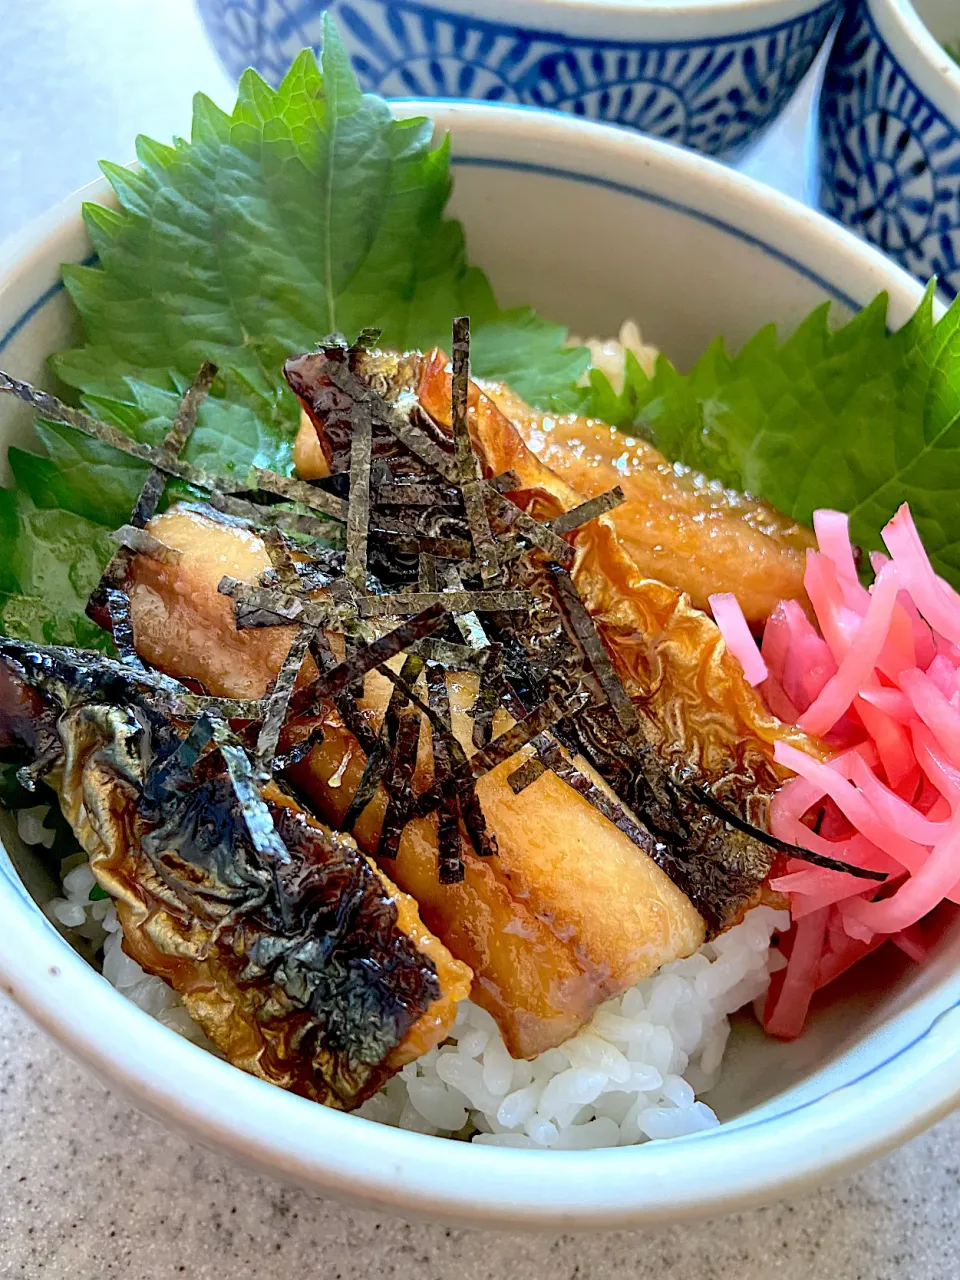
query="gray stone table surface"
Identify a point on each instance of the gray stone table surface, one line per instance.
(90, 1188)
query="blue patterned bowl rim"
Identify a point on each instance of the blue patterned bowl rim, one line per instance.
(670, 21)
(641, 23)
(920, 53)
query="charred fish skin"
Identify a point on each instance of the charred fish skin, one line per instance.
(293, 964)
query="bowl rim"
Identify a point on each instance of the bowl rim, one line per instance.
(932, 68)
(630, 23)
(740, 1164)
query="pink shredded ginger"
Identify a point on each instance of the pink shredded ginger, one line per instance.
(878, 679)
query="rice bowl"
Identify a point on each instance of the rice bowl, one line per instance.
(584, 322)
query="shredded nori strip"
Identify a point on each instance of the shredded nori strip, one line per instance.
(587, 511)
(350, 713)
(151, 491)
(275, 711)
(278, 608)
(512, 517)
(482, 839)
(526, 775)
(280, 559)
(565, 769)
(184, 421)
(507, 744)
(519, 734)
(117, 604)
(505, 482)
(356, 666)
(268, 481)
(471, 484)
(406, 541)
(717, 807)
(457, 657)
(449, 853)
(427, 572)
(488, 696)
(358, 512)
(388, 606)
(389, 416)
(399, 783)
(380, 759)
(136, 539)
(467, 623)
(392, 494)
(596, 654)
(259, 515)
(50, 407)
(291, 490)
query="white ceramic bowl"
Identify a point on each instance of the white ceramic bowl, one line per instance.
(708, 74)
(890, 132)
(602, 225)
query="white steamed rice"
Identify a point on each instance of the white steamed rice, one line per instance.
(635, 1072)
(608, 354)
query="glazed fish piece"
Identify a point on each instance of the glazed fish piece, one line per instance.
(699, 772)
(677, 526)
(298, 958)
(568, 913)
(711, 735)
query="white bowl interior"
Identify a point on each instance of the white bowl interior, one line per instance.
(591, 227)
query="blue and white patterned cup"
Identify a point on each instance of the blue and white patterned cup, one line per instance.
(707, 74)
(890, 133)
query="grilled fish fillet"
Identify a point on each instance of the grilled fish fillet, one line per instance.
(286, 982)
(568, 914)
(677, 526)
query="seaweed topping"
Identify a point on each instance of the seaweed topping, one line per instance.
(384, 755)
(510, 517)
(480, 585)
(132, 537)
(136, 539)
(358, 512)
(184, 421)
(450, 860)
(471, 487)
(455, 601)
(586, 511)
(275, 711)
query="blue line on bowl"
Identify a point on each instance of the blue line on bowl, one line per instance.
(523, 166)
(36, 306)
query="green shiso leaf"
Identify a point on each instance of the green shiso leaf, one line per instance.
(858, 419)
(54, 559)
(306, 211)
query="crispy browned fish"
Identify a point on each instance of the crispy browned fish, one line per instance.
(678, 527)
(580, 902)
(300, 960)
(567, 914)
